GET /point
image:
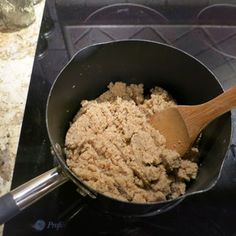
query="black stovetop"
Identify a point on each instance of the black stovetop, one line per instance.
(206, 31)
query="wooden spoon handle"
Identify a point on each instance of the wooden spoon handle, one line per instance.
(197, 117)
(219, 105)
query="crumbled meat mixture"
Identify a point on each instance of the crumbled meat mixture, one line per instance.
(187, 170)
(112, 148)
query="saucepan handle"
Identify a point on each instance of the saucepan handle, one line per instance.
(23, 196)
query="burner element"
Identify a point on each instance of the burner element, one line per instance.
(220, 38)
(123, 12)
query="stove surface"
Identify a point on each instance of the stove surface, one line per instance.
(206, 31)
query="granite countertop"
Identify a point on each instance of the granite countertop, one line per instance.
(17, 51)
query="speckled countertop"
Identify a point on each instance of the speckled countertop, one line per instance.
(17, 51)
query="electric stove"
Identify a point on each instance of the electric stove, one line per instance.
(203, 29)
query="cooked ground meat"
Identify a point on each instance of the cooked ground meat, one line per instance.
(112, 148)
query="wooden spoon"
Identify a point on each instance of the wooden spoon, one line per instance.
(181, 125)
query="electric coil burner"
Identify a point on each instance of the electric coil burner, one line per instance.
(206, 31)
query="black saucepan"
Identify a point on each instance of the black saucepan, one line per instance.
(86, 76)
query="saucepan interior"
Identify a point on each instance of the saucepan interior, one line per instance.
(152, 64)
